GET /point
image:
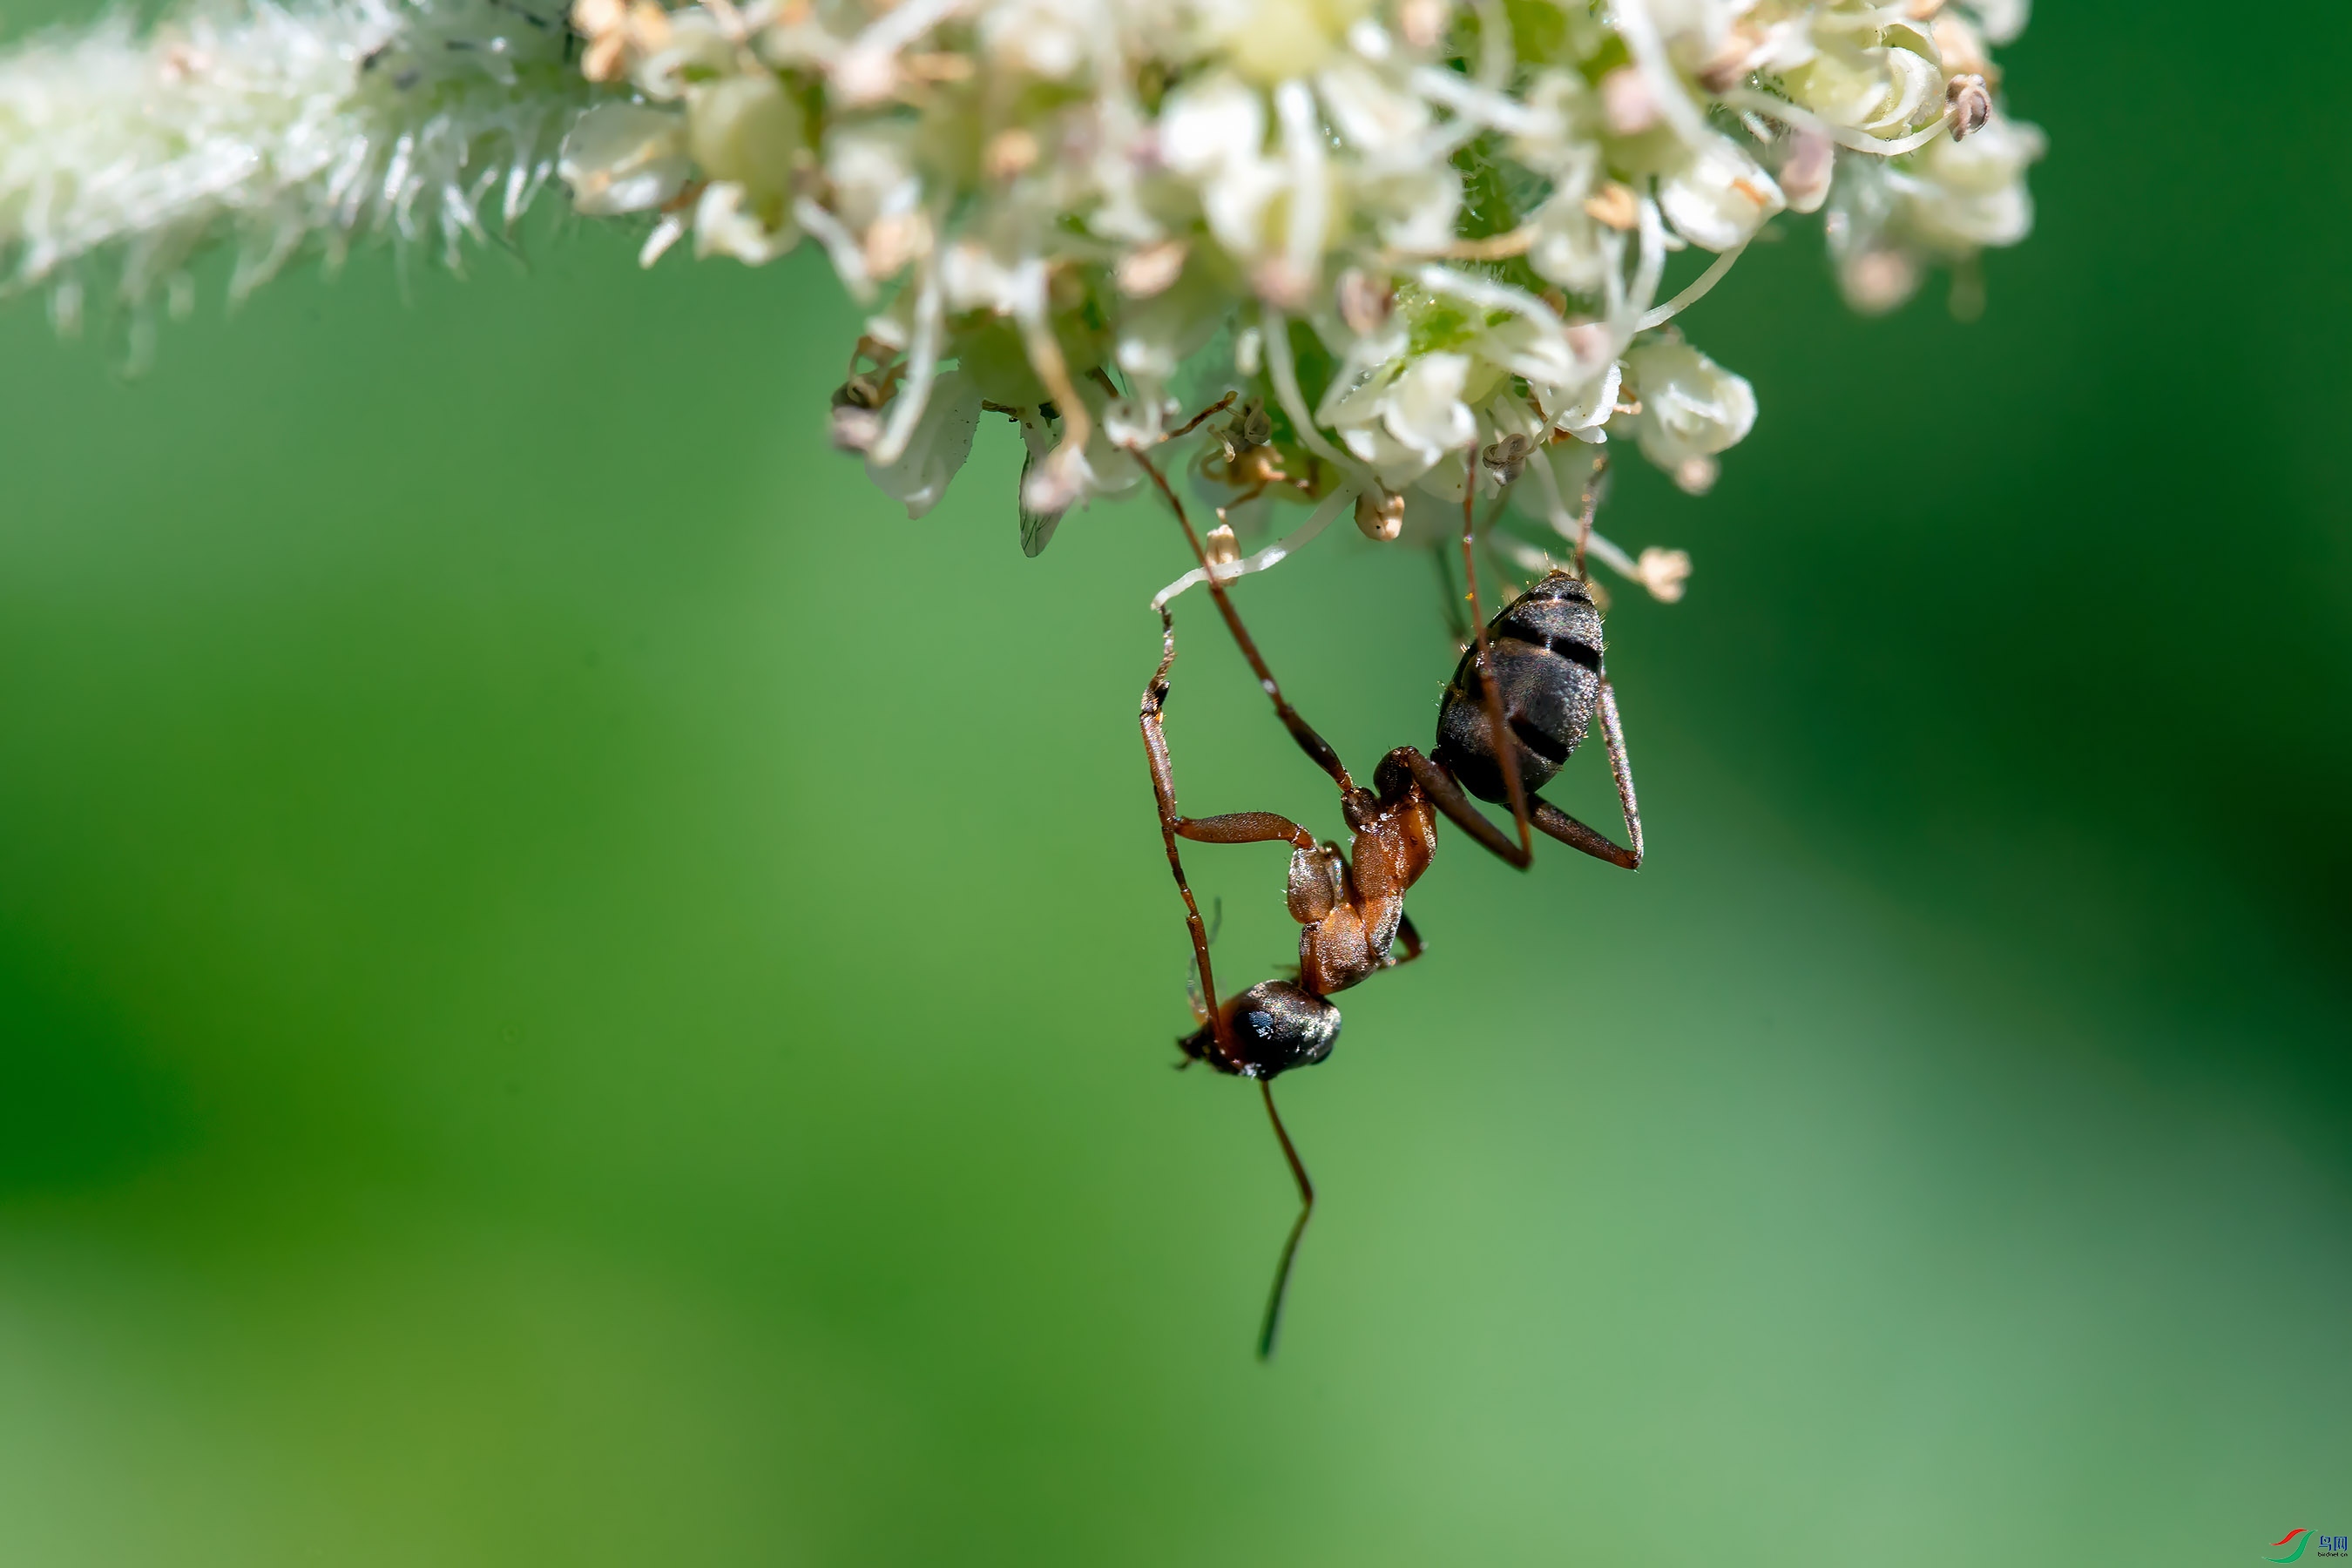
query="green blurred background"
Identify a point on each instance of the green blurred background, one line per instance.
(575, 990)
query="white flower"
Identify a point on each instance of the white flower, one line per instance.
(873, 172)
(1042, 38)
(975, 278)
(746, 129)
(697, 49)
(623, 158)
(1532, 348)
(1424, 410)
(283, 127)
(1275, 40)
(1414, 207)
(1806, 170)
(1449, 235)
(1965, 195)
(1570, 247)
(1373, 115)
(1718, 196)
(1882, 91)
(1559, 136)
(1583, 412)
(725, 223)
(2002, 20)
(1690, 406)
(1955, 198)
(942, 441)
(1211, 124)
(1403, 420)
(1664, 572)
(1696, 26)
(1214, 131)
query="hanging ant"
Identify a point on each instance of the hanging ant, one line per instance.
(1534, 674)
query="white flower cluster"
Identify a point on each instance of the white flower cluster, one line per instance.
(1423, 241)
(277, 127)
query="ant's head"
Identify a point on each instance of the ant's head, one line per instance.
(1274, 1025)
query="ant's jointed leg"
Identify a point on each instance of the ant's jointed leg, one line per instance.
(1411, 937)
(1505, 752)
(1163, 787)
(1576, 835)
(1612, 733)
(1313, 744)
(1448, 796)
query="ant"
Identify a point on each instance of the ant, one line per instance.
(1535, 674)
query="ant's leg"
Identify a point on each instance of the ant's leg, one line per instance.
(1163, 787)
(1413, 946)
(1289, 1247)
(1203, 417)
(1574, 833)
(1612, 732)
(1504, 752)
(1313, 744)
(1591, 505)
(1569, 831)
(1235, 827)
(1243, 827)
(1448, 796)
(1576, 836)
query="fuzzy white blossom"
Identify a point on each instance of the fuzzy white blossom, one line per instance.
(121, 155)
(1422, 246)
(1689, 408)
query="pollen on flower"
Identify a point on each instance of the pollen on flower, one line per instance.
(1406, 251)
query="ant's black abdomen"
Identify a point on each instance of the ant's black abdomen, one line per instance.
(1275, 1026)
(1545, 650)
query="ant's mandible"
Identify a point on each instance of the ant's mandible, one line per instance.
(1534, 674)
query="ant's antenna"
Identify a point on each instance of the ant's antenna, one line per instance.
(1289, 1247)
